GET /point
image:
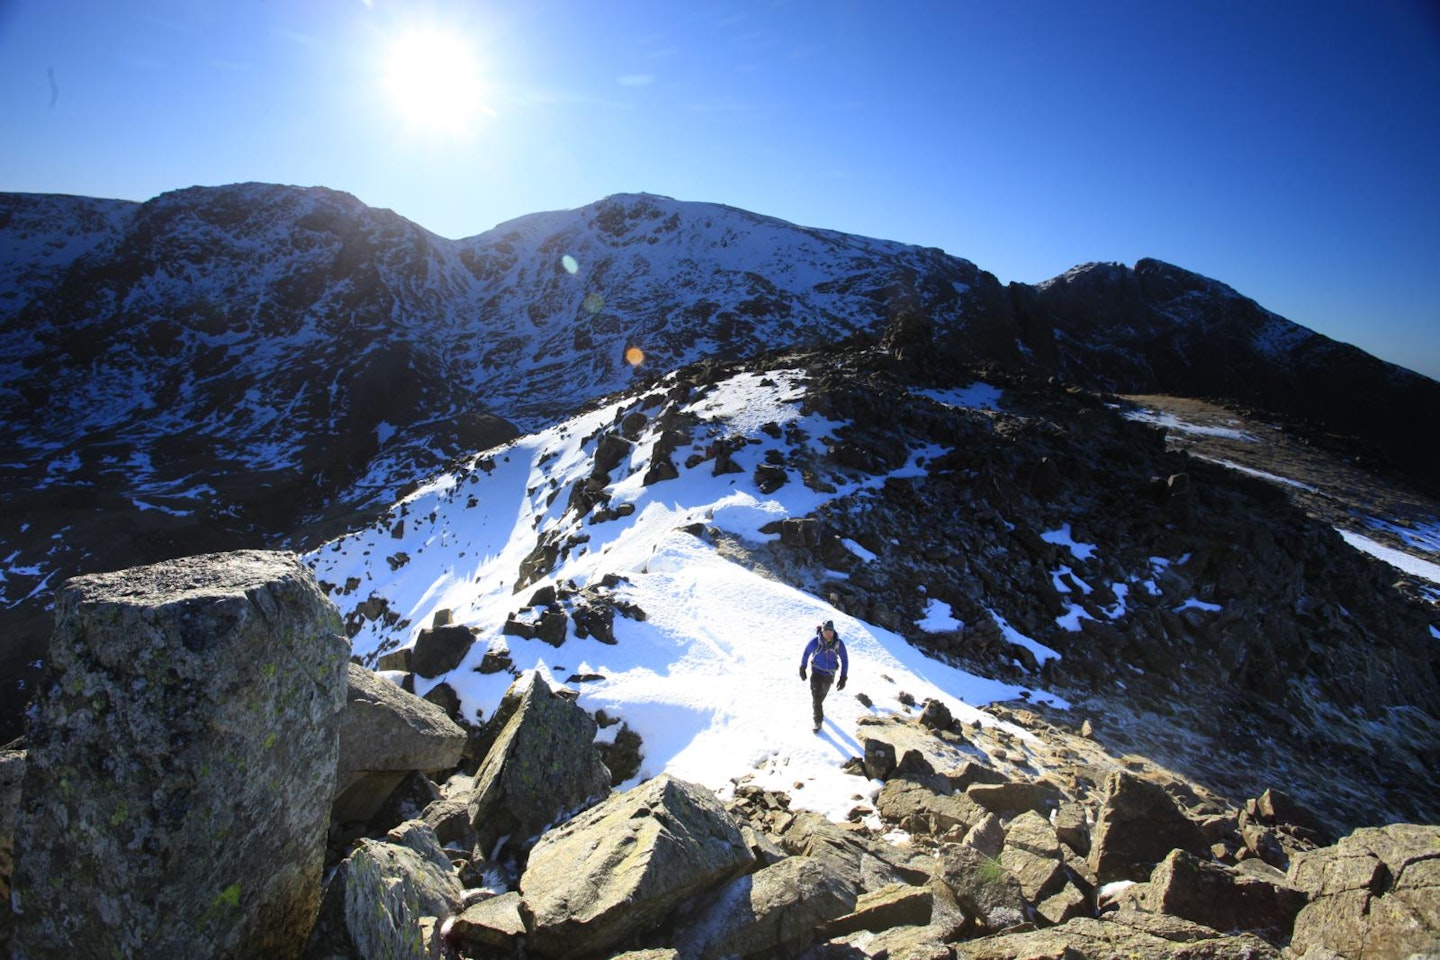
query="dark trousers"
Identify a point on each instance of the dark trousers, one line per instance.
(820, 681)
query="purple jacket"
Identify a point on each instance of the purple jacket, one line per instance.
(825, 657)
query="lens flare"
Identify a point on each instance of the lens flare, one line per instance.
(569, 263)
(594, 302)
(634, 356)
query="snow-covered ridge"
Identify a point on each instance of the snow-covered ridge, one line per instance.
(708, 678)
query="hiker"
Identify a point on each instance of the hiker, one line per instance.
(826, 654)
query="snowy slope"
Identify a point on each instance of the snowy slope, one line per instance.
(709, 677)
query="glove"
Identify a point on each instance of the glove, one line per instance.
(841, 684)
(802, 673)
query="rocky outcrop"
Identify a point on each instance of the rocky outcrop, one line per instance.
(181, 761)
(621, 867)
(1123, 936)
(385, 734)
(1374, 894)
(541, 768)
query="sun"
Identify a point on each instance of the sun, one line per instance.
(432, 78)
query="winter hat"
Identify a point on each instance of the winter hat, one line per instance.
(829, 625)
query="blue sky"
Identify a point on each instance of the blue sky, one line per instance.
(1291, 151)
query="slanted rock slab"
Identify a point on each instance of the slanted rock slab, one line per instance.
(181, 761)
(621, 867)
(774, 912)
(385, 734)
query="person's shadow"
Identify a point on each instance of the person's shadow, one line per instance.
(845, 745)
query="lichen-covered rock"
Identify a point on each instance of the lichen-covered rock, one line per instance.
(1374, 894)
(542, 766)
(773, 912)
(380, 898)
(622, 866)
(181, 762)
(385, 734)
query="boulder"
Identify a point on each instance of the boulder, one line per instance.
(495, 924)
(919, 809)
(773, 912)
(386, 734)
(908, 942)
(1374, 894)
(987, 836)
(1032, 854)
(896, 905)
(1138, 826)
(621, 867)
(1120, 936)
(1015, 796)
(872, 864)
(980, 889)
(378, 900)
(878, 759)
(1218, 896)
(162, 812)
(542, 766)
(440, 649)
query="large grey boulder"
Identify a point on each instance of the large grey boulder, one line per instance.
(1374, 894)
(388, 899)
(621, 867)
(1138, 826)
(181, 761)
(542, 766)
(772, 913)
(385, 734)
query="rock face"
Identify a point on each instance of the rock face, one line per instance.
(620, 867)
(542, 764)
(181, 762)
(1374, 894)
(386, 733)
